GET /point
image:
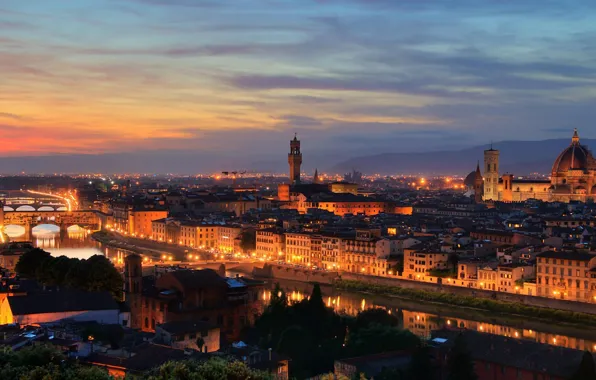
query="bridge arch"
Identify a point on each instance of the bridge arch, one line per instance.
(45, 229)
(14, 231)
(25, 208)
(45, 208)
(8, 208)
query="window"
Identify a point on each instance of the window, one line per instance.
(146, 322)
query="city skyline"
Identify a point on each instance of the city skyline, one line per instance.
(347, 75)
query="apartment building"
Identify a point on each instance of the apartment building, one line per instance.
(298, 249)
(331, 249)
(566, 275)
(367, 253)
(487, 277)
(509, 277)
(135, 219)
(417, 263)
(270, 244)
(227, 238)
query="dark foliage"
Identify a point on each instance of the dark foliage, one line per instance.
(587, 369)
(95, 274)
(460, 365)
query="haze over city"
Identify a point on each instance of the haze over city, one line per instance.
(230, 79)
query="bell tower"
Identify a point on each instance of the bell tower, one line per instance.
(491, 174)
(295, 160)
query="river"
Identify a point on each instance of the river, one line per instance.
(75, 242)
(420, 318)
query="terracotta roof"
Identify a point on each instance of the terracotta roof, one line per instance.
(62, 301)
(577, 256)
(183, 327)
(195, 279)
(517, 353)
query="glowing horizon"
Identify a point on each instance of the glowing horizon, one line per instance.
(97, 76)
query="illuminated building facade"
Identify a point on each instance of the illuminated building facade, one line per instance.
(270, 244)
(491, 174)
(228, 237)
(135, 219)
(331, 250)
(417, 264)
(566, 275)
(298, 248)
(573, 178)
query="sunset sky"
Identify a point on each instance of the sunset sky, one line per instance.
(92, 76)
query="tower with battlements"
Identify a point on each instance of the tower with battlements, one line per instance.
(295, 161)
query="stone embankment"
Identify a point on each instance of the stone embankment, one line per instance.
(284, 272)
(304, 275)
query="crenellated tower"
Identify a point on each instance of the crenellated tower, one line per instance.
(295, 160)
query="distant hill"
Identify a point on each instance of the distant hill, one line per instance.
(518, 157)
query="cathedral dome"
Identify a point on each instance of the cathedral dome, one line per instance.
(469, 181)
(575, 156)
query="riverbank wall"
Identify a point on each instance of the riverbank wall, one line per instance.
(329, 278)
(550, 303)
(295, 274)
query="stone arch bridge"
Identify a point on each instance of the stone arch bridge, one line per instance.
(63, 219)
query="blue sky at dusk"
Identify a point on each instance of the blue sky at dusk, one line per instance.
(93, 76)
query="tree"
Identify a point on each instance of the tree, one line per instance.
(248, 240)
(378, 338)
(96, 274)
(453, 260)
(103, 276)
(376, 315)
(390, 374)
(30, 261)
(41, 362)
(212, 369)
(421, 366)
(307, 331)
(587, 369)
(460, 365)
(200, 343)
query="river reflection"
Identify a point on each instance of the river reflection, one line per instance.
(74, 242)
(423, 323)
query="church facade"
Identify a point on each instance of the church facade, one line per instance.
(573, 178)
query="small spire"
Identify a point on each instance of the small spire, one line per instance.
(295, 136)
(575, 138)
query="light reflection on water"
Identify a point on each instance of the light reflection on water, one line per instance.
(422, 323)
(75, 242)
